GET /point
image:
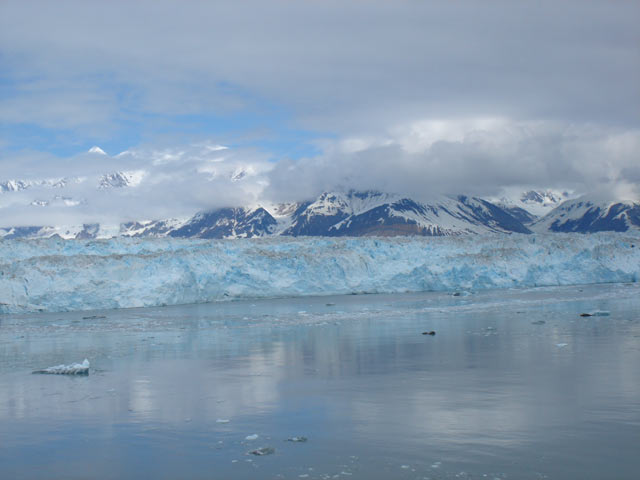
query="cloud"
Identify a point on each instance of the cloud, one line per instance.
(477, 156)
(480, 156)
(413, 97)
(346, 67)
(174, 182)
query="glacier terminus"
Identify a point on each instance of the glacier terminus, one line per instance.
(63, 275)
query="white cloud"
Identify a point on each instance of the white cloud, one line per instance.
(477, 156)
(414, 97)
(164, 182)
(470, 155)
(349, 67)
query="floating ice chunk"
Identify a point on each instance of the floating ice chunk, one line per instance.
(251, 437)
(460, 294)
(73, 369)
(263, 451)
(223, 420)
(561, 345)
(598, 313)
(297, 439)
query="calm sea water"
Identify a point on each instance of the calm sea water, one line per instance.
(174, 392)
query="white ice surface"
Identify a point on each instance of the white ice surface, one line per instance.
(58, 275)
(73, 369)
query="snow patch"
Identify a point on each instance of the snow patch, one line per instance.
(98, 150)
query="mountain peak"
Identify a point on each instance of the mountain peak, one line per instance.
(98, 150)
(591, 213)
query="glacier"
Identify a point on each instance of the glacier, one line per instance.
(64, 275)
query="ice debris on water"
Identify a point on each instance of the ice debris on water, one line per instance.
(263, 451)
(251, 437)
(223, 420)
(561, 345)
(72, 369)
(595, 314)
(297, 439)
(52, 275)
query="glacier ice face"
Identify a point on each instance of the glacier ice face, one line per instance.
(59, 275)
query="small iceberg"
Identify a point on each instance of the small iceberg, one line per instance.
(73, 369)
(297, 439)
(251, 437)
(263, 451)
(598, 313)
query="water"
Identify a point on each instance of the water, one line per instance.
(494, 394)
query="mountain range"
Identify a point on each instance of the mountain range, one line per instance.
(351, 213)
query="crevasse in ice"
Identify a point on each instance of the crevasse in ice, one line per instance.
(58, 275)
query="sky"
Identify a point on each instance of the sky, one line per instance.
(414, 97)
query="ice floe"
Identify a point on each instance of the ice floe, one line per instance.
(72, 369)
(263, 451)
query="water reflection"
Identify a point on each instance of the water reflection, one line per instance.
(491, 393)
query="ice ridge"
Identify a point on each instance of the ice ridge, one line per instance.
(62, 275)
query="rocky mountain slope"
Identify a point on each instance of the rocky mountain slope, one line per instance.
(588, 214)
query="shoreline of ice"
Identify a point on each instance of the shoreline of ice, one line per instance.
(66, 275)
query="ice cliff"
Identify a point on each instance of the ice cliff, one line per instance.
(57, 275)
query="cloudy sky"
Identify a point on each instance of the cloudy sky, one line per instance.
(415, 97)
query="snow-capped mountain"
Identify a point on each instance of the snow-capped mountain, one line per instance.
(353, 214)
(97, 150)
(156, 228)
(57, 200)
(368, 213)
(376, 213)
(220, 223)
(530, 205)
(331, 214)
(18, 185)
(131, 178)
(590, 214)
(92, 230)
(228, 223)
